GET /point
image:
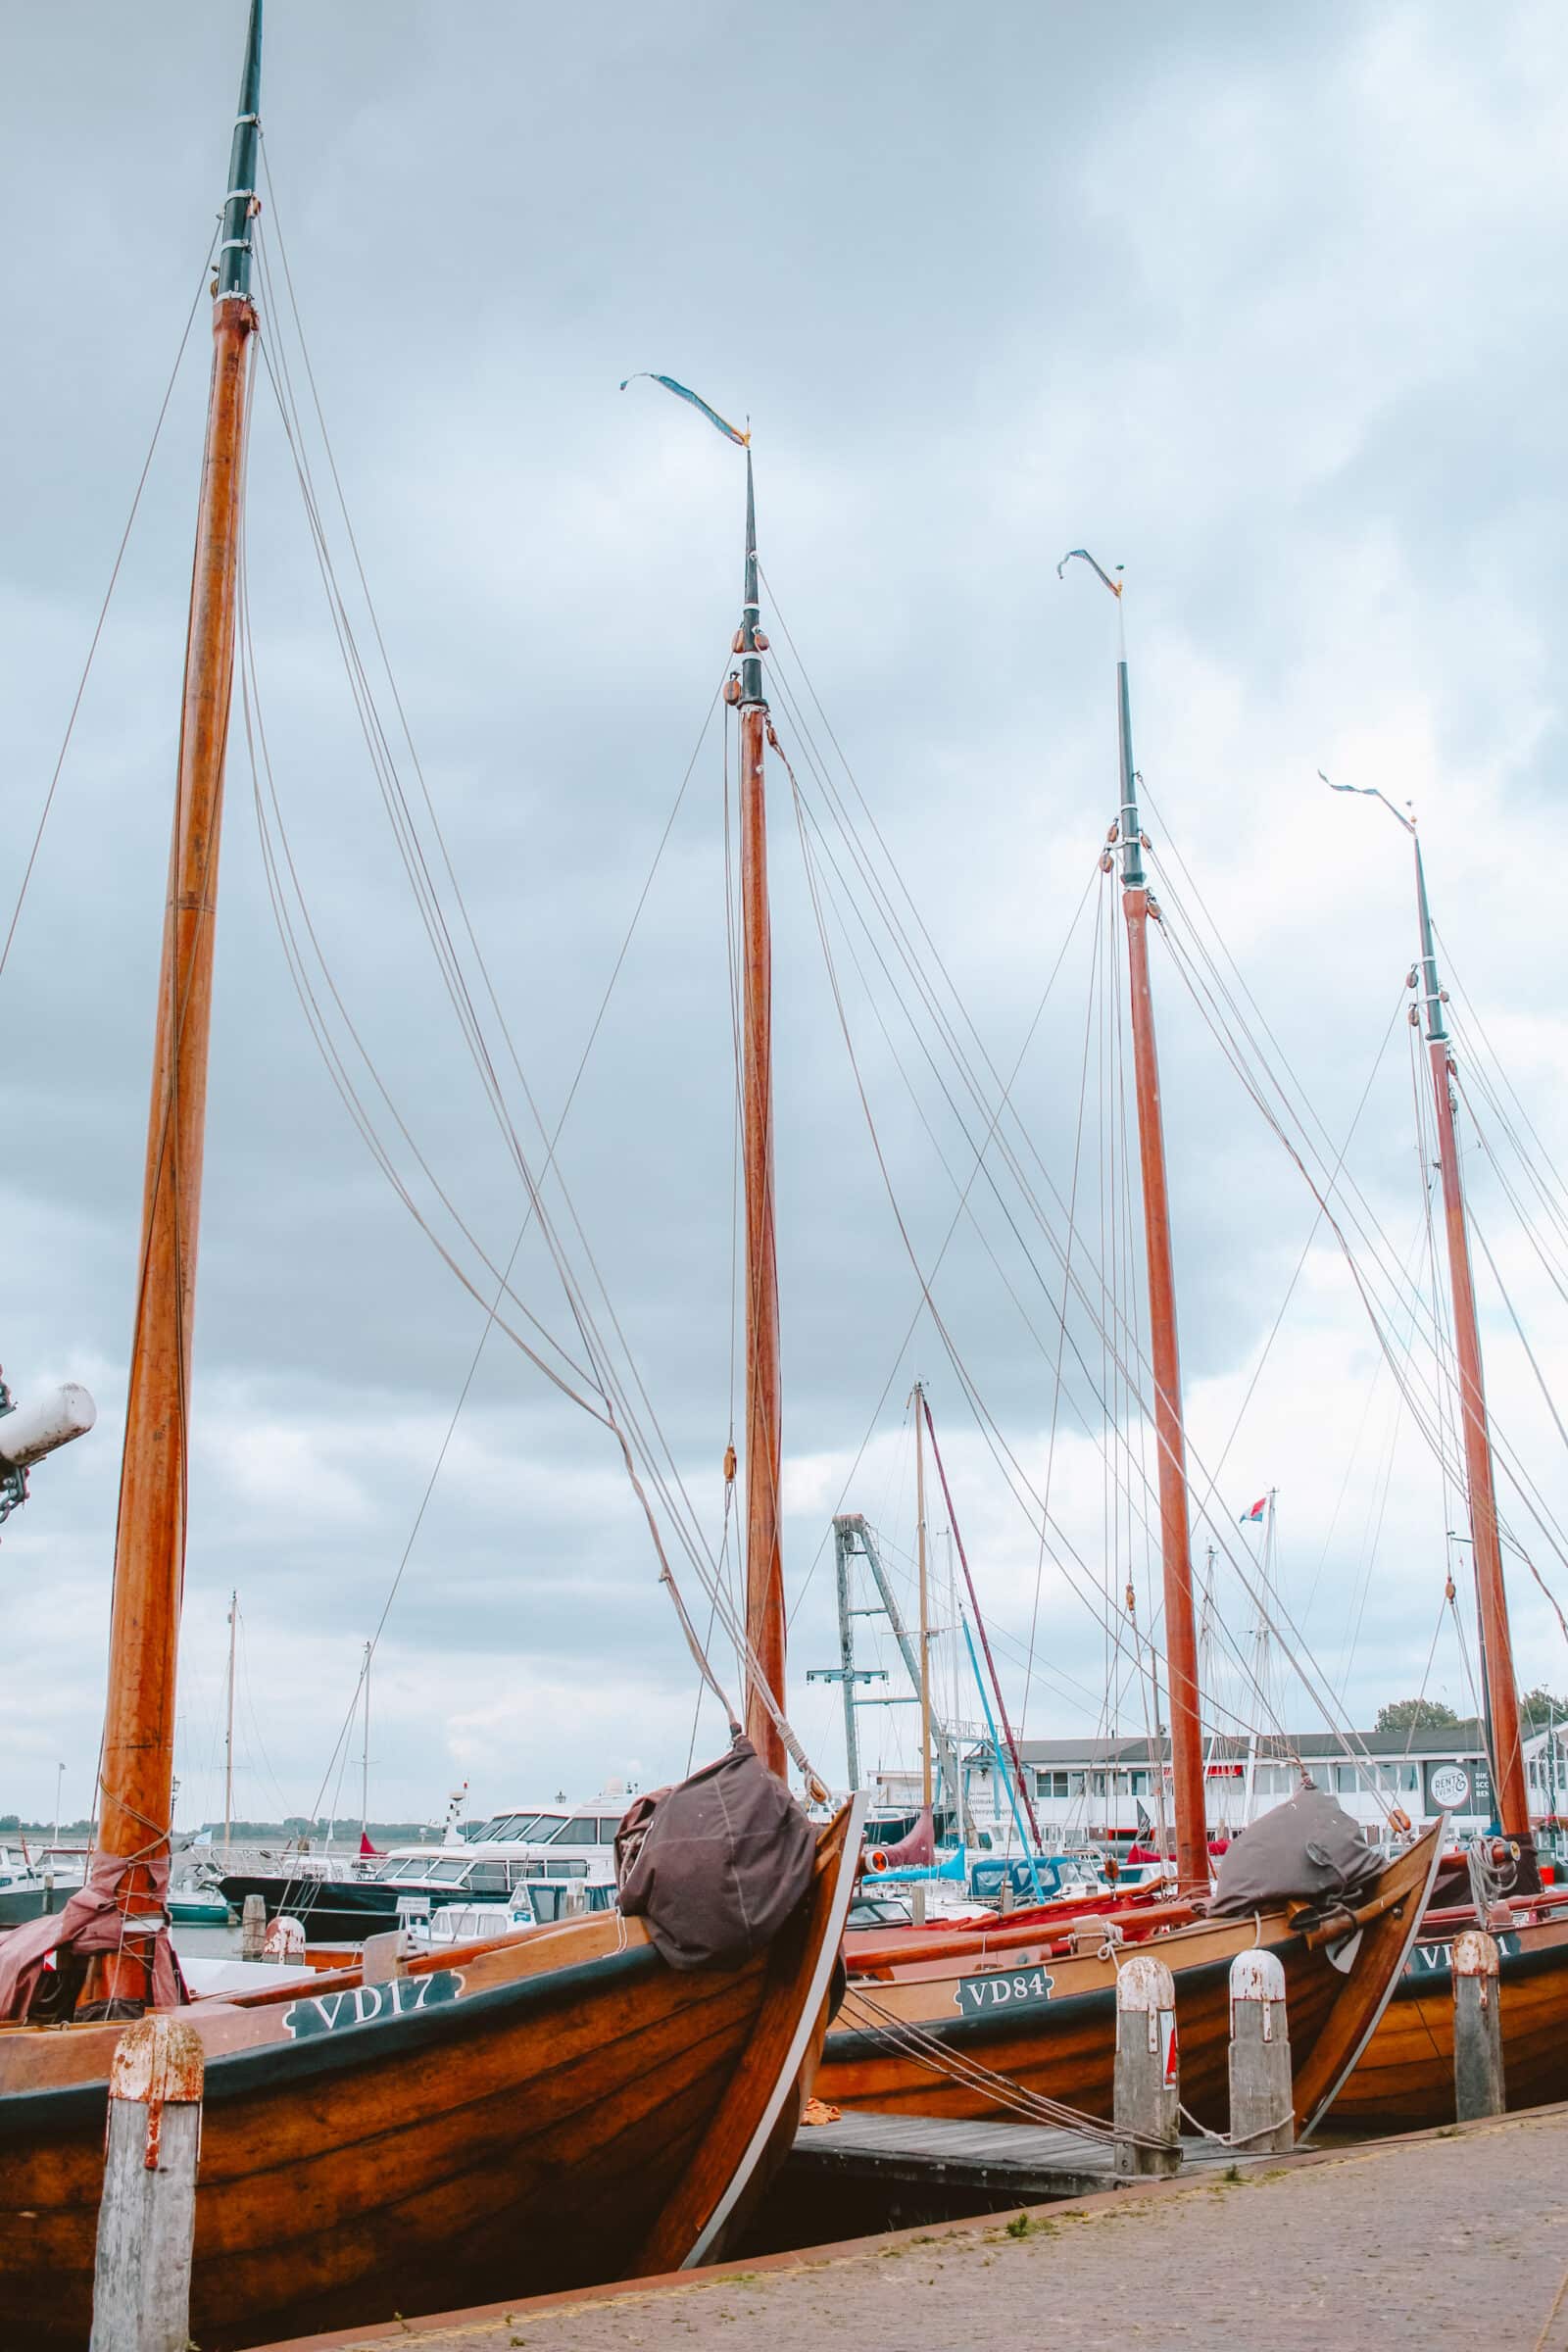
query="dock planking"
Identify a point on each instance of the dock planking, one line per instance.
(1025, 2160)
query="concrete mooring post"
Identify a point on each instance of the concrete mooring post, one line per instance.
(1263, 2115)
(1478, 2086)
(1147, 2110)
(147, 2220)
(252, 1928)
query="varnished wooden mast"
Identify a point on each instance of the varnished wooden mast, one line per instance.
(1175, 1550)
(137, 1770)
(765, 1568)
(1503, 1696)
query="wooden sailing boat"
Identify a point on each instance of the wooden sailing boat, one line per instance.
(1406, 2074)
(558, 2107)
(1037, 2009)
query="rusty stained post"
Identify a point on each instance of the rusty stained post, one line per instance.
(1477, 2084)
(1147, 2088)
(1511, 1795)
(764, 1438)
(1262, 2109)
(147, 2216)
(137, 1769)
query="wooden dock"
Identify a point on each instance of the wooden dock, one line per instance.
(1020, 2163)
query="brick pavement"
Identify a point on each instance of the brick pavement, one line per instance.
(1454, 2239)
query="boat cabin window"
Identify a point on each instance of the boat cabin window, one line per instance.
(488, 1878)
(608, 1825)
(581, 1829)
(447, 1874)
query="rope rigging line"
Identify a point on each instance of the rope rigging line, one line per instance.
(1240, 1659)
(620, 1411)
(1322, 1695)
(1436, 1420)
(967, 1074)
(668, 1479)
(1068, 1558)
(955, 1219)
(1409, 1376)
(103, 609)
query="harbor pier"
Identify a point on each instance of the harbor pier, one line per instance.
(1454, 2235)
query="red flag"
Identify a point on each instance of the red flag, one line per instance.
(367, 1851)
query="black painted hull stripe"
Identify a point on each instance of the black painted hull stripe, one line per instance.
(283, 2067)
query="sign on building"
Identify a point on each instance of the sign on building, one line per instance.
(1458, 1785)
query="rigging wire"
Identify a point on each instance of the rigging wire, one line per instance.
(103, 609)
(623, 1411)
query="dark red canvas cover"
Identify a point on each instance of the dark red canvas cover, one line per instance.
(1306, 1851)
(716, 1864)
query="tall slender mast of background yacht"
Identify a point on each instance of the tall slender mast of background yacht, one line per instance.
(229, 1729)
(765, 1567)
(364, 1754)
(1510, 1792)
(926, 1791)
(1180, 1632)
(138, 1747)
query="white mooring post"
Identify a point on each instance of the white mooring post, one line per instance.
(141, 2284)
(378, 1961)
(1263, 2115)
(1478, 2087)
(1147, 2102)
(253, 1928)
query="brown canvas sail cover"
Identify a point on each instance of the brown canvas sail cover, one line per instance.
(1306, 1850)
(716, 1864)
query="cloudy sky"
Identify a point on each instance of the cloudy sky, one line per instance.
(1263, 306)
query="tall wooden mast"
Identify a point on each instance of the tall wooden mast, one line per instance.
(1181, 1630)
(765, 1567)
(1496, 1641)
(150, 1540)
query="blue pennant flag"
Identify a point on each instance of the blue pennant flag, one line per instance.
(681, 391)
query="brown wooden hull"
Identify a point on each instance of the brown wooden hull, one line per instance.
(559, 2110)
(1404, 2079)
(1061, 2040)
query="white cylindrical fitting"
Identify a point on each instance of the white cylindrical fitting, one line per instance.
(36, 1428)
(1257, 1976)
(1145, 1984)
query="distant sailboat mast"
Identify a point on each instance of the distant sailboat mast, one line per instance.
(365, 1753)
(229, 1729)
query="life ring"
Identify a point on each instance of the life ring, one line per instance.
(877, 1859)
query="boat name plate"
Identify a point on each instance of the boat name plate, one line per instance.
(367, 2004)
(1429, 1959)
(999, 1989)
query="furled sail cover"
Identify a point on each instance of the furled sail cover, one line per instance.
(1306, 1851)
(716, 1864)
